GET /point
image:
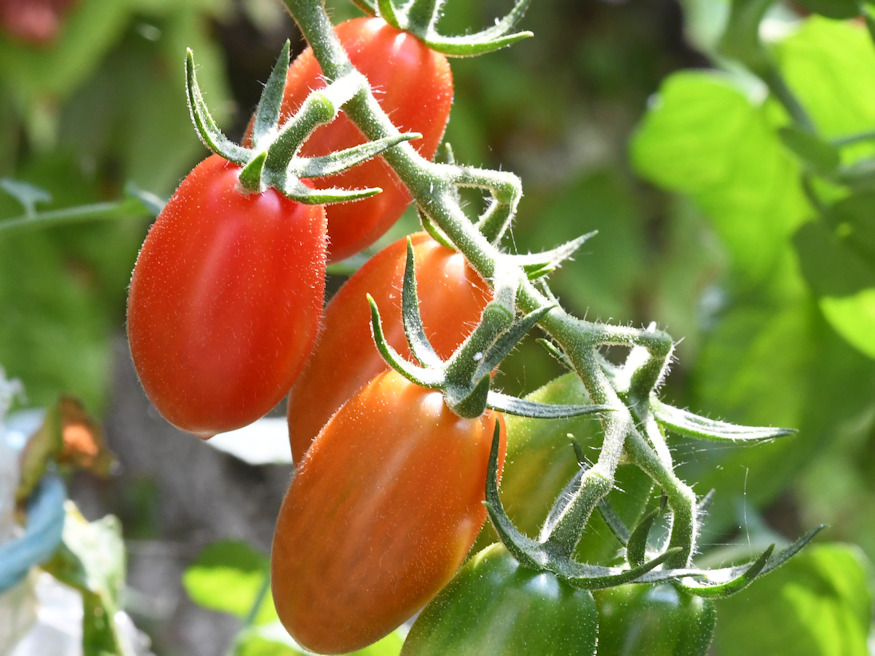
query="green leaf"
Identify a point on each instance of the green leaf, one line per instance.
(830, 66)
(704, 137)
(840, 269)
(273, 640)
(853, 317)
(229, 577)
(816, 154)
(56, 70)
(838, 9)
(817, 604)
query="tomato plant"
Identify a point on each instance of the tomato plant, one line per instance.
(225, 300)
(495, 606)
(379, 515)
(655, 620)
(413, 84)
(345, 358)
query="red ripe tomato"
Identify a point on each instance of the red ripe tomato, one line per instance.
(413, 85)
(379, 515)
(452, 297)
(225, 300)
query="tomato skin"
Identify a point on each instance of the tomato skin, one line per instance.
(225, 300)
(452, 297)
(413, 85)
(494, 606)
(379, 515)
(655, 620)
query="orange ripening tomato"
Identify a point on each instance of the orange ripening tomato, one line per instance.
(452, 297)
(413, 85)
(225, 300)
(379, 515)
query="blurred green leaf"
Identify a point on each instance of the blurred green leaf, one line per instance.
(839, 265)
(830, 65)
(704, 137)
(817, 604)
(91, 28)
(229, 577)
(853, 317)
(273, 640)
(838, 9)
(818, 155)
(604, 275)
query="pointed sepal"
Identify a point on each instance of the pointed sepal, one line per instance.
(688, 424)
(206, 126)
(432, 378)
(537, 265)
(420, 347)
(267, 113)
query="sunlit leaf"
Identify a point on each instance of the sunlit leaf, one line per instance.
(817, 604)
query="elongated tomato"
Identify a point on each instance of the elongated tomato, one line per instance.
(225, 300)
(413, 85)
(452, 297)
(379, 515)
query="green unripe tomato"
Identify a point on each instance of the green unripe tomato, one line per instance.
(659, 620)
(496, 607)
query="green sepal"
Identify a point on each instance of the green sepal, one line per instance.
(535, 409)
(469, 401)
(297, 190)
(325, 165)
(483, 42)
(555, 352)
(636, 546)
(535, 555)
(507, 341)
(537, 265)
(688, 424)
(433, 231)
(267, 112)
(730, 580)
(420, 347)
(386, 11)
(432, 378)
(420, 16)
(366, 6)
(207, 129)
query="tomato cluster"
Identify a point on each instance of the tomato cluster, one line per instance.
(225, 317)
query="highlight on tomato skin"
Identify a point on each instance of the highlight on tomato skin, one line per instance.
(413, 85)
(379, 515)
(225, 300)
(451, 299)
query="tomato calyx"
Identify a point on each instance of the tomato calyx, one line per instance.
(465, 378)
(273, 160)
(567, 519)
(420, 18)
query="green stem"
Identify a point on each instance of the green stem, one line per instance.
(72, 215)
(852, 139)
(778, 88)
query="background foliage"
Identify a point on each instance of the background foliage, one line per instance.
(620, 117)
